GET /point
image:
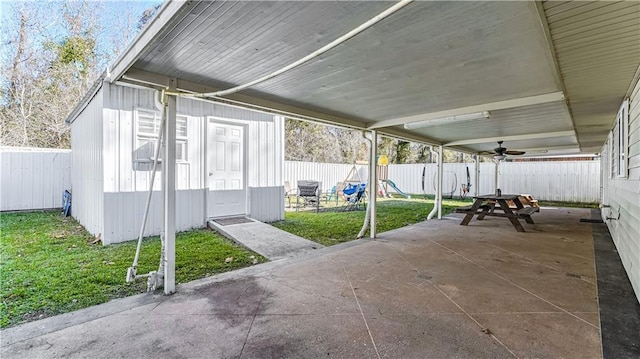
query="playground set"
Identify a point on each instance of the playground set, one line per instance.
(352, 190)
(383, 179)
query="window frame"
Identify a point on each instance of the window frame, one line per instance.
(622, 143)
(142, 137)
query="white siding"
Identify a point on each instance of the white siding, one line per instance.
(125, 189)
(120, 140)
(33, 178)
(265, 154)
(622, 195)
(125, 210)
(261, 203)
(87, 181)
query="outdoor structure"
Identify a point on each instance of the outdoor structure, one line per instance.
(544, 77)
(228, 162)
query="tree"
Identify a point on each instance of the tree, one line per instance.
(147, 15)
(403, 152)
(52, 52)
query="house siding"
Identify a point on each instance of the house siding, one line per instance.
(125, 190)
(622, 198)
(87, 181)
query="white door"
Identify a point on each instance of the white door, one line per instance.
(225, 156)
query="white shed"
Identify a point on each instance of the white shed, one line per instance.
(229, 162)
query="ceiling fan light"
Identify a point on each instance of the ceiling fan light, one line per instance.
(499, 157)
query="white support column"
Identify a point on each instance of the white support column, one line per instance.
(169, 193)
(373, 182)
(439, 183)
(476, 179)
(496, 183)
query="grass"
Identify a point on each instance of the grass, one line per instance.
(568, 204)
(48, 265)
(331, 226)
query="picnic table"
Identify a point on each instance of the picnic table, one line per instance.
(485, 205)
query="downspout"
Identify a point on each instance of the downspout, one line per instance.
(132, 271)
(367, 216)
(436, 204)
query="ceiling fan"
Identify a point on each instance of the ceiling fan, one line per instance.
(499, 153)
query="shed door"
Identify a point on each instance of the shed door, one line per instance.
(225, 155)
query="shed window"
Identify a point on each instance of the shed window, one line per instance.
(148, 128)
(621, 141)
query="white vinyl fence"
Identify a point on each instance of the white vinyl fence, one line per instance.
(33, 178)
(567, 181)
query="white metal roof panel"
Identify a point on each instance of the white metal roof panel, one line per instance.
(429, 57)
(551, 117)
(598, 51)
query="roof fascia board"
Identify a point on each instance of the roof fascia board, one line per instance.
(84, 102)
(529, 136)
(499, 105)
(552, 56)
(166, 16)
(408, 136)
(632, 85)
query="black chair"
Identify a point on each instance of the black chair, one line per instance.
(309, 193)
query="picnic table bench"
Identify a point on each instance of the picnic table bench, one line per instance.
(485, 205)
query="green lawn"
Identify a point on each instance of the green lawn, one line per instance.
(48, 266)
(331, 226)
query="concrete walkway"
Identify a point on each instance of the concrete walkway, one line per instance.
(431, 290)
(268, 241)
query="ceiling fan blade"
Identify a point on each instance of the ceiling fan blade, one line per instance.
(514, 153)
(486, 153)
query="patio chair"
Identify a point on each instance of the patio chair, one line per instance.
(354, 195)
(309, 193)
(333, 194)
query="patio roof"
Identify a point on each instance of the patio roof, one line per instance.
(552, 75)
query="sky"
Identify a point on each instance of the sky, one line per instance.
(112, 15)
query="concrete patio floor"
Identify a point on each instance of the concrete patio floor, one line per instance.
(430, 290)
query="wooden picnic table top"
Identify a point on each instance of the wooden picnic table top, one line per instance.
(506, 197)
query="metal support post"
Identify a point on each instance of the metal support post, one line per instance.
(476, 180)
(439, 187)
(169, 193)
(373, 181)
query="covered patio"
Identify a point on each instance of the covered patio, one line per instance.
(434, 289)
(547, 78)
(544, 77)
